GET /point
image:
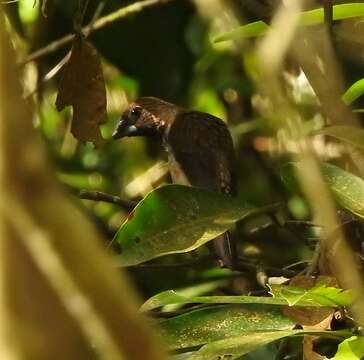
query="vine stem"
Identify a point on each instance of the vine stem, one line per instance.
(101, 196)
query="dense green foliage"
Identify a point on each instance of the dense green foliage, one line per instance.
(285, 286)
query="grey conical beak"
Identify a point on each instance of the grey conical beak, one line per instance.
(123, 129)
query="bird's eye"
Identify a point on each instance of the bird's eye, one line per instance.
(136, 111)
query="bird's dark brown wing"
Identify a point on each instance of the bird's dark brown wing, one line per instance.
(203, 148)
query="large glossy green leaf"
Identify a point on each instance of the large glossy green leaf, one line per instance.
(230, 330)
(206, 325)
(350, 134)
(235, 347)
(311, 17)
(176, 219)
(347, 188)
(319, 295)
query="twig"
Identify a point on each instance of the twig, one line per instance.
(112, 199)
(50, 74)
(98, 11)
(43, 8)
(312, 267)
(244, 265)
(295, 264)
(88, 29)
(303, 223)
(197, 262)
(82, 13)
(328, 14)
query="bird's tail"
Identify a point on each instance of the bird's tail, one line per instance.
(224, 248)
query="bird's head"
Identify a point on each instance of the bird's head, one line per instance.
(147, 116)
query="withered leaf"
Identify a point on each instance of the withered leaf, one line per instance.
(82, 86)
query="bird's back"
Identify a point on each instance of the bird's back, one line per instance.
(201, 146)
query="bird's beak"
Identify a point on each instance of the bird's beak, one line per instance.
(123, 129)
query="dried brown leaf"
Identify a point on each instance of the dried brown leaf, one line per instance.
(82, 86)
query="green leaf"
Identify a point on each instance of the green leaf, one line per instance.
(281, 297)
(230, 330)
(207, 100)
(235, 347)
(311, 17)
(193, 291)
(347, 188)
(176, 219)
(318, 295)
(340, 12)
(253, 29)
(350, 134)
(202, 326)
(355, 91)
(351, 349)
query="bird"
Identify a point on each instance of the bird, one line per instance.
(200, 152)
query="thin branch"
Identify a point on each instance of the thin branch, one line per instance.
(314, 264)
(244, 265)
(186, 264)
(98, 24)
(43, 8)
(50, 74)
(328, 14)
(98, 11)
(85, 6)
(296, 264)
(112, 199)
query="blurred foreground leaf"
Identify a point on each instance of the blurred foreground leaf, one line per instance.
(347, 188)
(311, 17)
(350, 134)
(83, 86)
(61, 297)
(176, 219)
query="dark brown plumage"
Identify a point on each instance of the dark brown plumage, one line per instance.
(199, 147)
